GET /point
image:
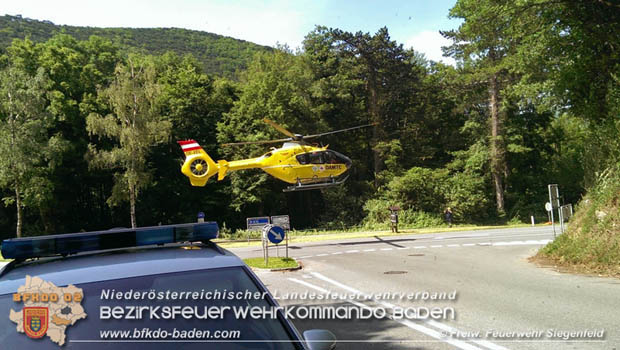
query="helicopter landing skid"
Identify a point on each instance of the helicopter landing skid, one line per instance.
(300, 186)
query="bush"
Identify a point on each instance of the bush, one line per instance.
(423, 194)
(418, 219)
(378, 216)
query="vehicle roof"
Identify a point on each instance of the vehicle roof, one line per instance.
(115, 264)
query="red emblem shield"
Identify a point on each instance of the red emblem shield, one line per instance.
(35, 321)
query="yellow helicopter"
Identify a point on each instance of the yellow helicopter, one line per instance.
(304, 166)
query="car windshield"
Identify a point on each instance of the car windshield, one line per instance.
(201, 290)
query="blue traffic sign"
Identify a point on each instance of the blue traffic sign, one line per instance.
(258, 221)
(275, 234)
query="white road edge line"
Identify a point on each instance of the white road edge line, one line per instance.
(428, 331)
(484, 343)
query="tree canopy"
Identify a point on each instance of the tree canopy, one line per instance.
(89, 123)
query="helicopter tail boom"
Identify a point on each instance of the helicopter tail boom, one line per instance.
(199, 166)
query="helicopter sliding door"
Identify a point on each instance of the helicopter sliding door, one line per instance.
(321, 166)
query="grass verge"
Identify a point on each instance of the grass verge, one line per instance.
(591, 244)
(274, 263)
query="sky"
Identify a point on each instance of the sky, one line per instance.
(413, 23)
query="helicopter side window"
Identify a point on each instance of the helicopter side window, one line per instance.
(330, 157)
(303, 158)
(316, 158)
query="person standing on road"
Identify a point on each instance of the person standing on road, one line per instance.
(394, 221)
(448, 215)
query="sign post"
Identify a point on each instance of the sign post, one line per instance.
(284, 222)
(554, 199)
(256, 224)
(273, 234)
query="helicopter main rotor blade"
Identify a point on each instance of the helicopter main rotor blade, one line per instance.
(341, 130)
(255, 142)
(279, 128)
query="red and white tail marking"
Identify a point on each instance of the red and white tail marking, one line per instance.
(189, 145)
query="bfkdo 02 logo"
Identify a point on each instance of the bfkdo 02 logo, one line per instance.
(47, 309)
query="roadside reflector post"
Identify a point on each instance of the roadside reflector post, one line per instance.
(532, 216)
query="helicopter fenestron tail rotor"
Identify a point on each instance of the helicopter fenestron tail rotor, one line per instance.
(199, 167)
(291, 136)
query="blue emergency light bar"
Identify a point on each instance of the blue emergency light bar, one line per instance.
(71, 243)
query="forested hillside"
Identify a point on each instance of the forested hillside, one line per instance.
(89, 128)
(218, 54)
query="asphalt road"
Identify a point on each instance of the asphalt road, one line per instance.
(501, 301)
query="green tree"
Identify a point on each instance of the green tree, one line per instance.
(28, 153)
(194, 103)
(385, 75)
(134, 124)
(274, 87)
(569, 61)
(482, 43)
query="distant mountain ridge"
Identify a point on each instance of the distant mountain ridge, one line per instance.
(219, 54)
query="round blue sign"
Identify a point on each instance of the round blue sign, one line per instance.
(275, 234)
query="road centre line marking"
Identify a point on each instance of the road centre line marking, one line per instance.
(509, 243)
(496, 237)
(420, 328)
